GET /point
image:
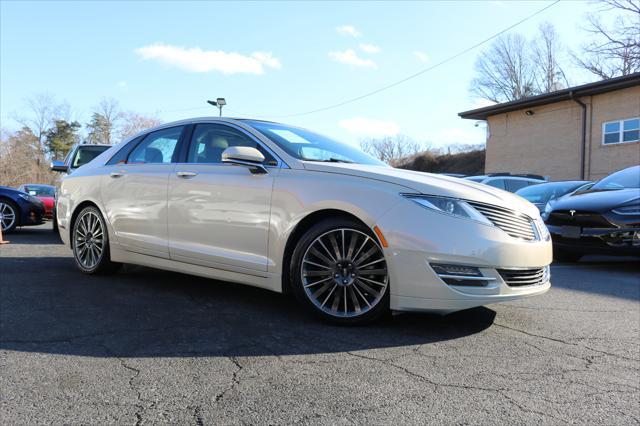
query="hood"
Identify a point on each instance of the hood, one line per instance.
(428, 183)
(8, 190)
(601, 201)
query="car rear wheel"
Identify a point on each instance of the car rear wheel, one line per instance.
(339, 272)
(8, 215)
(90, 243)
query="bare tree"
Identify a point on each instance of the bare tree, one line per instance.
(505, 71)
(132, 123)
(42, 110)
(104, 123)
(546, 57)
(391, 150)
(614, 49)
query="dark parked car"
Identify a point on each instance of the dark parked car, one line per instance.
(18, 208)
(46, 193)
(542, 193)
(604, 219)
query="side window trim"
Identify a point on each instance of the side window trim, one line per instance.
(126, 149)
(184, 158)
(175, 151)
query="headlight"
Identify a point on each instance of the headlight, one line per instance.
(630, 210)
(450, 206)
(547, 211)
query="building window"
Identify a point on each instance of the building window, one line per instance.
(621, 131)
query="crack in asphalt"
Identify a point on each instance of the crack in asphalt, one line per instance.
(436, 385)
(564, 342)
(234, 379)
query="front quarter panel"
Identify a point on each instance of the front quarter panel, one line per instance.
(299, 193)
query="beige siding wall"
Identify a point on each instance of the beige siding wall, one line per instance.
(549, 141)
(608, 107)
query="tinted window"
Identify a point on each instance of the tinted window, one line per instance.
(627, 178)
(40, 190)
(306, 145)
(86, 153)
(498, 183)
(123, 153)
(157, 147)
(210, 140)
(514, 184)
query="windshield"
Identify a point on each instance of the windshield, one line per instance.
(87, 153)
(307, 145)
(542, 194)
(40, 190)
(627, 178)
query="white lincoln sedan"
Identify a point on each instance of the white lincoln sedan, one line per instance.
(287, 209)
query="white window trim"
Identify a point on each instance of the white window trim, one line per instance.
(620, 132)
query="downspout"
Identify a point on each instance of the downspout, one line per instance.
(584, 133)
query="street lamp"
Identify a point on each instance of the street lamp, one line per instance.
(218, 103)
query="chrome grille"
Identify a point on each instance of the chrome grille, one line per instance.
(515, 224)
(522, 277)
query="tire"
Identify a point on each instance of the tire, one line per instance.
(90, 243)
(54, 219)
(339, 273)
(566, 256)
(10, 215)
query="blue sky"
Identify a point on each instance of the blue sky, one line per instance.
(267, 59)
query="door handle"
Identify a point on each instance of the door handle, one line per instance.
(116, 174)
(186, 175)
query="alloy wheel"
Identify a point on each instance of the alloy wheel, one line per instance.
(7, 216)
(344, 273)
(89, 240)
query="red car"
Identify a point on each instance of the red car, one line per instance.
(47, 193)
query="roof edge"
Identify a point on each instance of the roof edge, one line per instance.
(588, 89)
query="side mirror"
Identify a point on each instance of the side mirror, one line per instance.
(59, 166)
(245, 156)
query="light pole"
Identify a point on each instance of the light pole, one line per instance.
(218, 103)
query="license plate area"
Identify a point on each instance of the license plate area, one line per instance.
(570, 231)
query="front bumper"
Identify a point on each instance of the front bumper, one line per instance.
(606, 241)
(32, 214)
(417, 238)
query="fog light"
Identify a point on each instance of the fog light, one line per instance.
(467, 271)
(460, 275)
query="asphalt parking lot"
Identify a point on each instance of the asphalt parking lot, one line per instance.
(147, 346)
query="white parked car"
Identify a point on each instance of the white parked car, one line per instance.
(286, 209)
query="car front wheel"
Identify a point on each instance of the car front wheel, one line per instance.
(90, 243)
(339, 272)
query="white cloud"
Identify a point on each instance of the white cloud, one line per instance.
(422, 57)
(369, 48)
(369, 127)
(197, 60)
(348, 30)
(350, 57)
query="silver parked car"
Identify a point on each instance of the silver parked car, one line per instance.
(287, 209)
